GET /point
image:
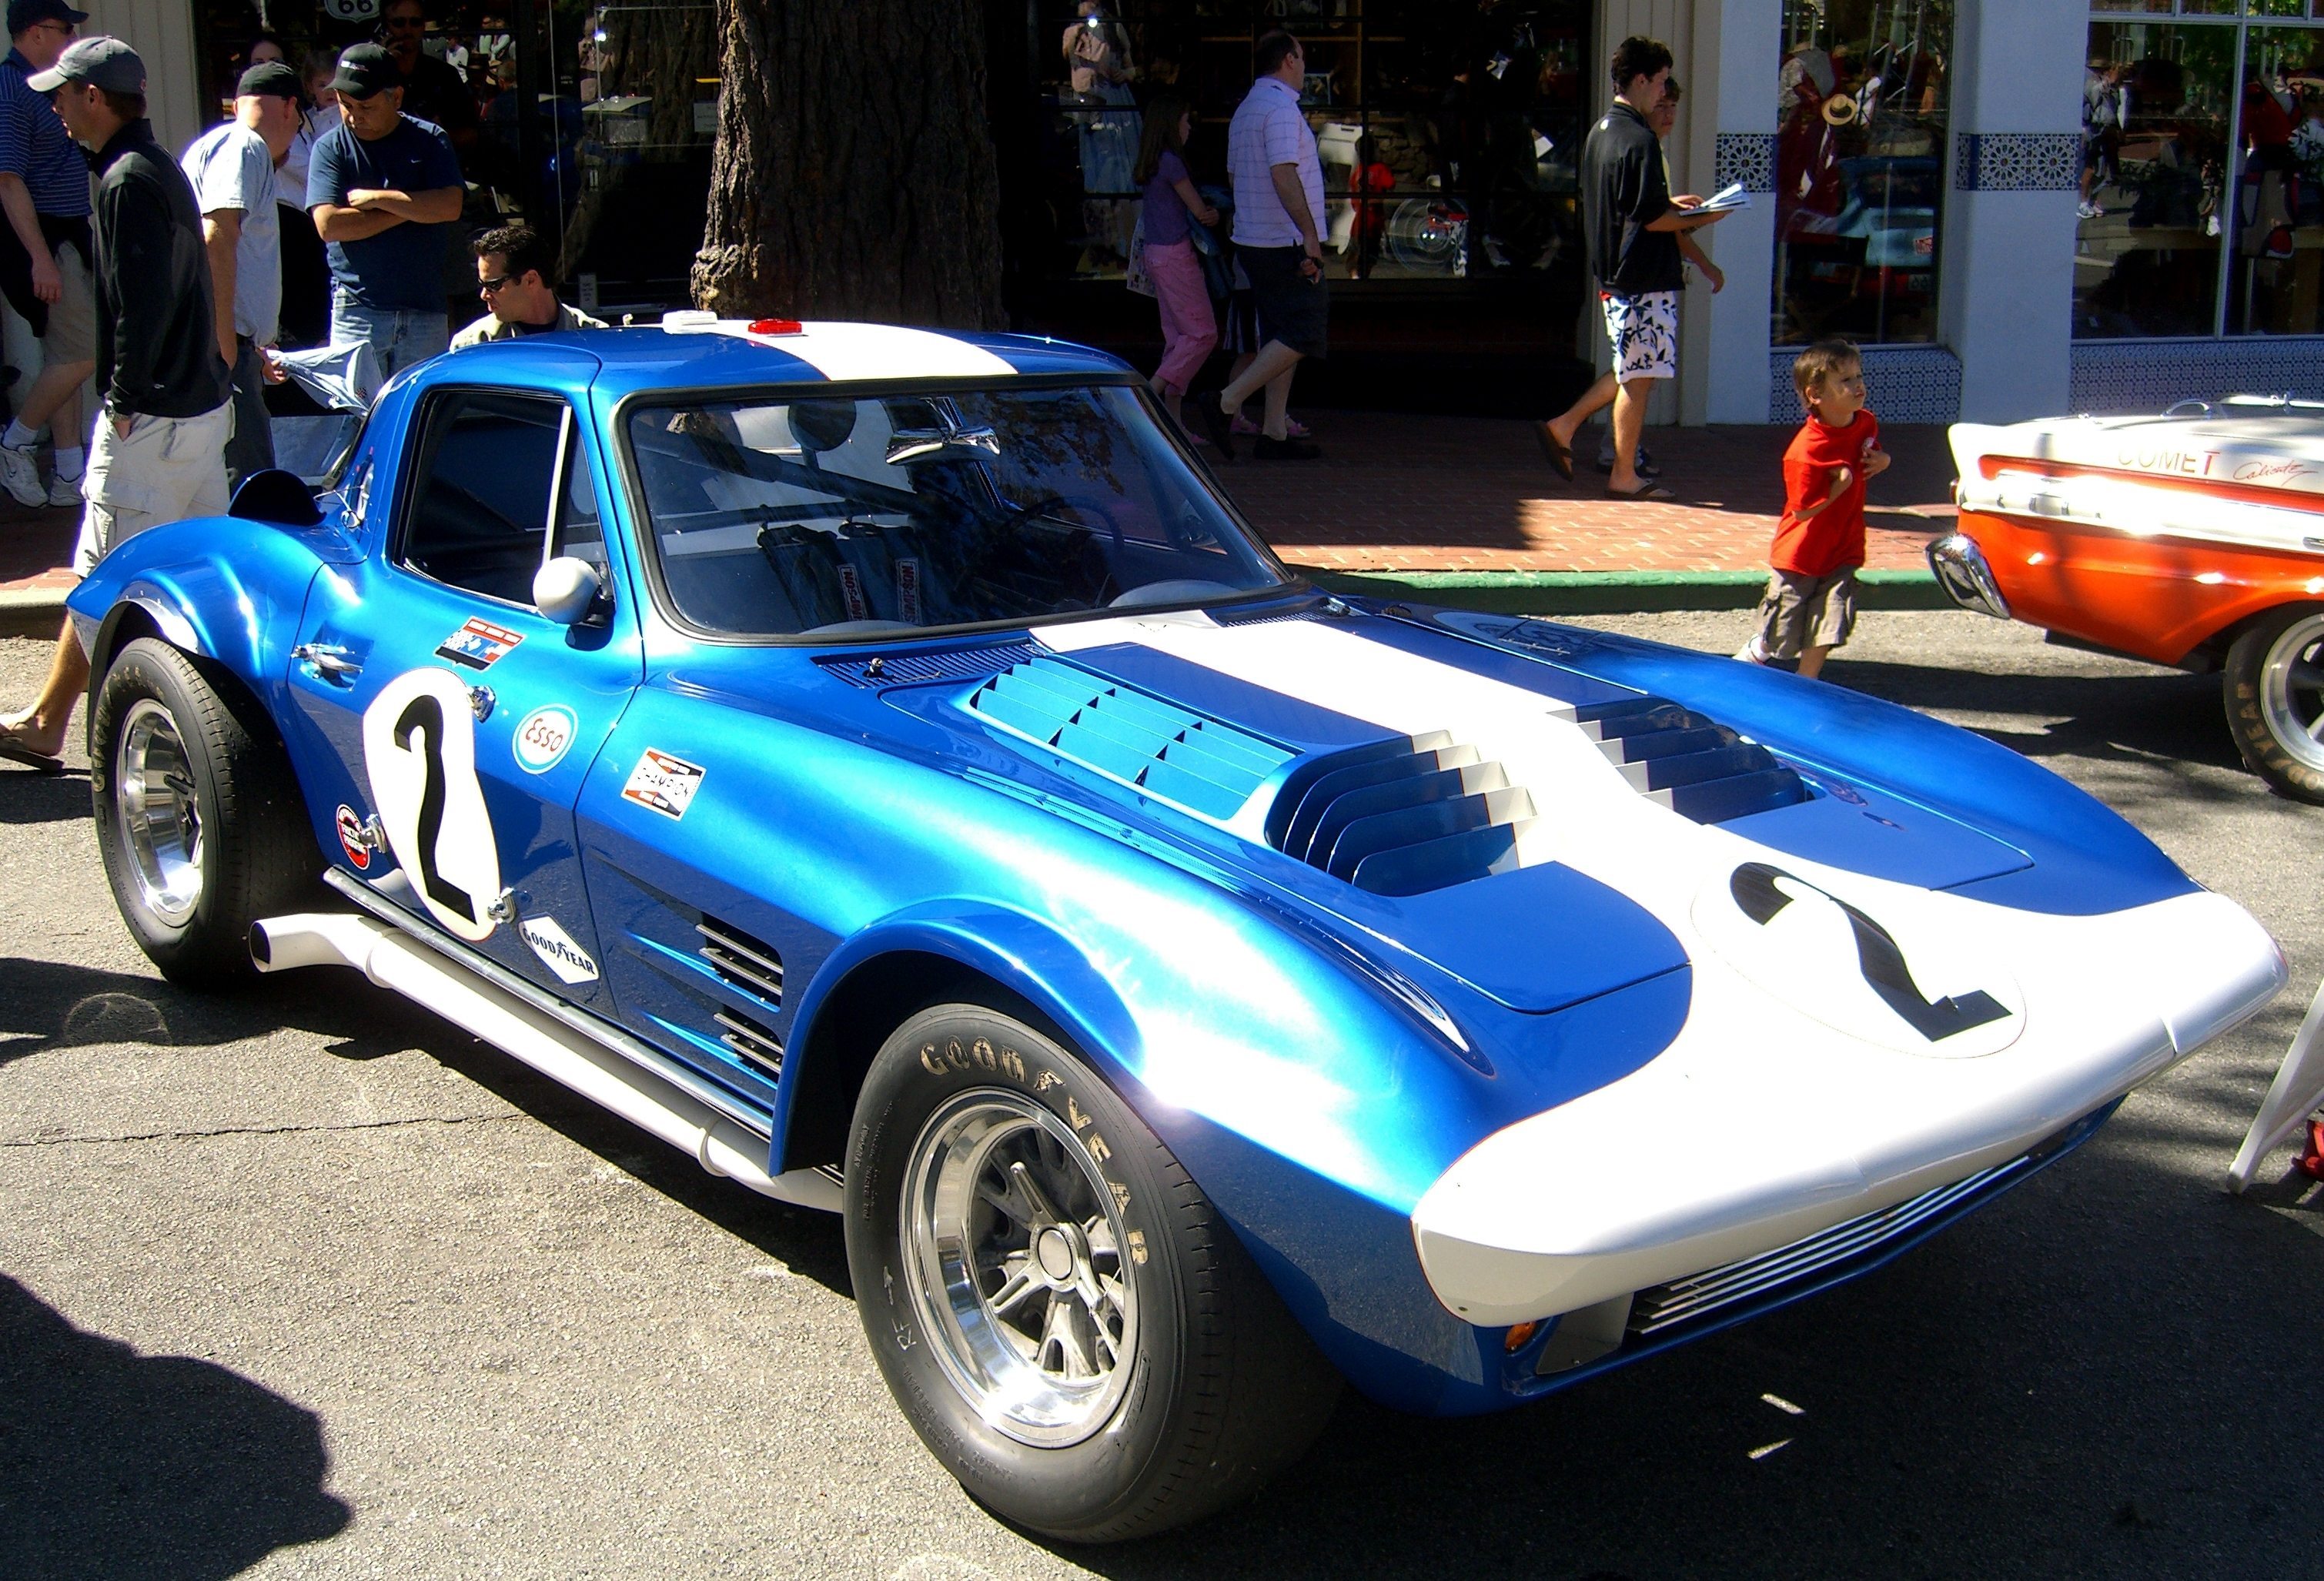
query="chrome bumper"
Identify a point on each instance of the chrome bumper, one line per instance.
(1967, 580)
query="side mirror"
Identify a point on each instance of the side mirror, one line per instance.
(566, 590)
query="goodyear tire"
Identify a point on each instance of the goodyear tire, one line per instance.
(198, 818)
(1071, 1328)
(2275, 695)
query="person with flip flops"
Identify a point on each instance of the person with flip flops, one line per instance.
(1633, 224)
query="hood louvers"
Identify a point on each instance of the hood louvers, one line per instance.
(1421, 816)
(1694, 766)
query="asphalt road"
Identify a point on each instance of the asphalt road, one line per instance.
(306, 1282)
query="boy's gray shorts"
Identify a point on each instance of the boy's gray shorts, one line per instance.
(1803, 611)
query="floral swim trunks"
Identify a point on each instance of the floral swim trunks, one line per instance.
(1643, 330)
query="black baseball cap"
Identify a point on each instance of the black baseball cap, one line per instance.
(26, 13)
(365, 70)
(100, 62)
(269, 77)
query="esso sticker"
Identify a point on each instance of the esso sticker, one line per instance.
(542, 736)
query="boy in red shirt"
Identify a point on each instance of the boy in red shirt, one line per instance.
(1811, 602)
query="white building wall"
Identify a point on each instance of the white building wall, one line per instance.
(162, 31)
(1734, 327)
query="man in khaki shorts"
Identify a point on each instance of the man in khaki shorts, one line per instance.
(161, 439)
(44, 255)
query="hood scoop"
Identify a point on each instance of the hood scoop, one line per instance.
(1426, 817)
(1197, 765)
(1694, 766)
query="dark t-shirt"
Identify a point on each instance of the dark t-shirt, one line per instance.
(435, 93)
(1623, 190)
(403, 267)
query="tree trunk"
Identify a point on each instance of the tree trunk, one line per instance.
(854, 175)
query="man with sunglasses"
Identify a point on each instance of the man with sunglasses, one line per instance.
(44, 256)
(512, 268)
(433, 91)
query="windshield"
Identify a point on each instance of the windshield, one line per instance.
(845, 516)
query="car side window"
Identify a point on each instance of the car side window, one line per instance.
(487, 470)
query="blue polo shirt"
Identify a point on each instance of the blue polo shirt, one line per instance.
(403, 267)
(34, 147)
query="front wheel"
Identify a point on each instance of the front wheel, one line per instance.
(198, 817)
(1069, 1325)
(2275, 695)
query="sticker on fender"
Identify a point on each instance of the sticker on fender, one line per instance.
(419, 751)
(352, 838)
(663, 783)
(557, 950)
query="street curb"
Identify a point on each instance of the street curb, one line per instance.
(35, 612)
(1608, 592)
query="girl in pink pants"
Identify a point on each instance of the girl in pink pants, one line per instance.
(1172, 206)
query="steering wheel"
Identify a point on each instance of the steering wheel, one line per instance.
(1096, 505)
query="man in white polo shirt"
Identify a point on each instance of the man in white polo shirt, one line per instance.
(1278, 196)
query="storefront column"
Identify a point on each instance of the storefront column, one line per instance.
(1738, 45)
(2006, 287)
(162, 31)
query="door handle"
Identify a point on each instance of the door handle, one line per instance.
(326, 660)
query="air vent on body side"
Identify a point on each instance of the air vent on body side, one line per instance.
(1693, 766)
(1402, 822)
(755, 1044)
(1202, 764)
(741, 962)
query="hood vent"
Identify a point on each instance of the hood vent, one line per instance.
(1197, 764)
(1693, 766)
(748, 965)
(1405, 823)
(918, 669)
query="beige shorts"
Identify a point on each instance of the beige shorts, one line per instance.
(1801, 611)
(168, 469)
(71, 336)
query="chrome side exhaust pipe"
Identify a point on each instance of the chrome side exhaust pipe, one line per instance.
(560, 1053)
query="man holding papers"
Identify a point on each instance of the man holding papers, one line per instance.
(1633, 224)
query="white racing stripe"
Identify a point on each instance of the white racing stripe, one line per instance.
(841, 351)
(1803, 1095)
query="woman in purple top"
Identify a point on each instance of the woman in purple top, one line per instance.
(1172, 205)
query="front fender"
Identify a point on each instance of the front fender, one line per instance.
(226, 588)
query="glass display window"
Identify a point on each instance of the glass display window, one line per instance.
(2201, 192)
(1861, 90)
(1447, 135)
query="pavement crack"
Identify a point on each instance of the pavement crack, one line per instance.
(260, 1130)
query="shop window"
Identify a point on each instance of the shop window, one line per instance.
(2202, 205)
(1861, 178)
(1448, 134)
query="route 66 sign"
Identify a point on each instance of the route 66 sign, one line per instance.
(351, 10)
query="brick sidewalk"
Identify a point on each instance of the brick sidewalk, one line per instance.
(1395, 492)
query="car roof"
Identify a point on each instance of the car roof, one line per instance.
(702, 352)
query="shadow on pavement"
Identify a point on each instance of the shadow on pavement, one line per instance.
(114, 1464)
(29, 797)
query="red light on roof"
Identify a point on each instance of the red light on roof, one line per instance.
(776, 326)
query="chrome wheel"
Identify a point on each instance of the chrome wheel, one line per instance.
(1013, 1245)
(2291, 691)
(160, 814)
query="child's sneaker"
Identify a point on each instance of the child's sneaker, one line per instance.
(1751, 653)
(19, 474)
(2089, 210)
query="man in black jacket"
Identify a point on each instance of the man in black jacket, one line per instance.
(161, 441)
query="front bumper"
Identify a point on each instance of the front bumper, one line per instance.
(1715, 1153)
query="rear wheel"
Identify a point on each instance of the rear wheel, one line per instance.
(1067, 1322)
(2275, 695)
(198, 817)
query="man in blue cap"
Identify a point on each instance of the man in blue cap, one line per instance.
(385, 191)
(44, 255)
(161, 440)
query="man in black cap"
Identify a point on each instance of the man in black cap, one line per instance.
(161, 439)
(231, 168)
(44, 255)
(385, 191)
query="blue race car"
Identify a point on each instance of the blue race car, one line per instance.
(881, 763)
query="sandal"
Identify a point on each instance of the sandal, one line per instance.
(1644, 491)
(1560, 456)
(12, 748)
